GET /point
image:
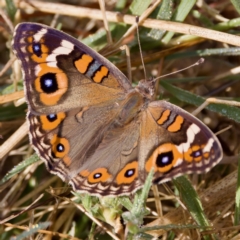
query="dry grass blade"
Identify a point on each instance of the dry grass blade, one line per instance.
(9, 144)
(128, 19)
(11, 97)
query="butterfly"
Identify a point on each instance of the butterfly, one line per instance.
(96, 131)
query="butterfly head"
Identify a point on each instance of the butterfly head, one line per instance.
(147, 88)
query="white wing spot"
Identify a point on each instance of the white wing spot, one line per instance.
(179, 162)
(38, 36)
(65, 48)
(192, 131)
(37, 69)
(195, 128)
(209, 145)
(61, 50)
(67, 44)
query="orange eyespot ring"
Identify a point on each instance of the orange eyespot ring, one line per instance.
(128, 174)
(60, 146)
(99, 175)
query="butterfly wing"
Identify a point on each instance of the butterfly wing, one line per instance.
(61, 73)
(93, 129)
(162, 137)
(101, 159)
(73, 95)
(173, 142)
(112, 168)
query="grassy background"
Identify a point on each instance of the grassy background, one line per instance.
(36, 204)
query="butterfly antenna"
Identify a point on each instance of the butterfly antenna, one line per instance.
(200, 61)
(140, 49)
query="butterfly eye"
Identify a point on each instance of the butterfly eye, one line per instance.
(52, 84)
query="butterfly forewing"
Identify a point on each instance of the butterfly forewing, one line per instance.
(58, 68)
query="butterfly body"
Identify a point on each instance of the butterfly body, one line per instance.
(93, 129)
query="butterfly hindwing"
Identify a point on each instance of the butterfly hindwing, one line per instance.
(177, 143)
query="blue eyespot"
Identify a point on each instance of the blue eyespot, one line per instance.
(60, 147)
(36, 47)
(49, 83)
(164, 159)
(97, 175)
(52, 117)
(129, 173)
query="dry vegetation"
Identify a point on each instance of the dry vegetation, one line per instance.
(38, 205)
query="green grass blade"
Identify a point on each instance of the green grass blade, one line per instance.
(11, 9)
(191, 200)
(181, 12)
(236, 4)
(164, 12)
(20, 167)
(186, 96)
(28, 233)
(233, 51)
(138, 6)
(134, 217)
(174, 226)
